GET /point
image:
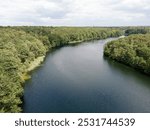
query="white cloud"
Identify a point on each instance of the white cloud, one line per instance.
(75, 12)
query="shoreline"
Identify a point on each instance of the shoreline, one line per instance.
(35, 63)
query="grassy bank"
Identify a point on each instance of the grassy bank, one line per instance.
(35, 63)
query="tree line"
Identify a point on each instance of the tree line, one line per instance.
(137, 31)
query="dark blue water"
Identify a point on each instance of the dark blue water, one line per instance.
(79, 79)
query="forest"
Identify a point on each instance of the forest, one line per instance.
(20, 46)
(136, 30)
(133, 51)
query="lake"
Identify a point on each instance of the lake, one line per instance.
(78, 79)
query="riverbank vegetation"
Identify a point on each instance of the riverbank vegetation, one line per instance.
(21, 47)
(133, 51)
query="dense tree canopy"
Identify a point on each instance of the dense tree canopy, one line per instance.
(137, 30)
(133, 50)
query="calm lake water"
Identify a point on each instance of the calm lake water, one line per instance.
(79, 79)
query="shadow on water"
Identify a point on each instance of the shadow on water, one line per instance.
(128, 72)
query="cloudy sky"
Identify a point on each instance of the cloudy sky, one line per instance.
(75, 12)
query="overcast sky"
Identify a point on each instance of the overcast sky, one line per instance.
(75, 12)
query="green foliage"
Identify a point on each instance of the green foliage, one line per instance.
(59, 36)
(137, 30)
(133, 50)
(17, 50)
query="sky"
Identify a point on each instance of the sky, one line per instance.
(75, 12)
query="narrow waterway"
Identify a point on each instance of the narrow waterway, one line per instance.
(79, 79)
